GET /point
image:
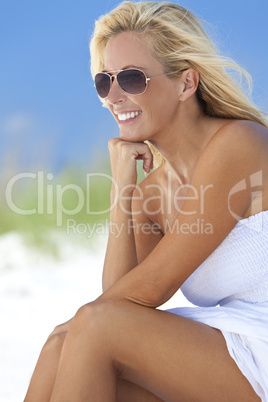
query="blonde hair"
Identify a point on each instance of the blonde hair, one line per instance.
(178, 41)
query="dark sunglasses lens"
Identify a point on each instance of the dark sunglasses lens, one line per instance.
(132, 81)
(102, 84)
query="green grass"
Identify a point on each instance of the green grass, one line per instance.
(49, 204)
(44, 203)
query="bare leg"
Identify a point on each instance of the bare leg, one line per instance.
(129, 392)
(44, 375)
(43, 379)
(172, 357)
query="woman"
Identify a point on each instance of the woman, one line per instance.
(198, 222)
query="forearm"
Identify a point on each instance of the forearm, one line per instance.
(140, 286)
(121, 254)
(121, 251)
(151, 283)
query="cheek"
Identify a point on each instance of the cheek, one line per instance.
(162, 109)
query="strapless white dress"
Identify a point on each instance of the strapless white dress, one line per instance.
(230, 289)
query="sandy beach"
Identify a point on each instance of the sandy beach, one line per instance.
(39, 290)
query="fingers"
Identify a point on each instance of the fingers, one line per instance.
(147, 160)
(130, 152)
(124, 156)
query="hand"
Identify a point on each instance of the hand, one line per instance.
(123, 155)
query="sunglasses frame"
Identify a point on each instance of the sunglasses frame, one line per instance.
(111, 76)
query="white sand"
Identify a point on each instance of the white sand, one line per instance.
(37, 292)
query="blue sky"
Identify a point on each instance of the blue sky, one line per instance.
(49, 113)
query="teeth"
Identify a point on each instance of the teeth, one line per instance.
(126, 116)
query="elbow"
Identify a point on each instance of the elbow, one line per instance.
(155, 298)
(156, 295)
(148, 296)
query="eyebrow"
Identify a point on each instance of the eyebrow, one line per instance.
(125, 68)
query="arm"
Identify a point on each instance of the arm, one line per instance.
(146, 233)
(229, 159)
(121, 251)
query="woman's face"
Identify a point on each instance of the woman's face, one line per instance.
(156, 110)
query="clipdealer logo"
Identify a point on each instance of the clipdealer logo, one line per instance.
(255, 185)
(50, 198)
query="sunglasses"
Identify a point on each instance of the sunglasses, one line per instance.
(132, 81)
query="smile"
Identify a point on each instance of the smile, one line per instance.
(127, 116)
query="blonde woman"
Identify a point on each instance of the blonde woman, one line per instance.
(198, 222)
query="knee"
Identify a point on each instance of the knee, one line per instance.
(91, 313)
(99, 308)
(96, 315)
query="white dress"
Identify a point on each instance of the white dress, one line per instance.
(230, 289)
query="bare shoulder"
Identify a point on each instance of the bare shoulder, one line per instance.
(238, 155)
(244, 127)
(238, 145)
(240, 135)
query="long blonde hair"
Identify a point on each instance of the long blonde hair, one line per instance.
(178, 41)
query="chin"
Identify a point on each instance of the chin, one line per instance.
(131, 137)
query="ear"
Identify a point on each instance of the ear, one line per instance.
(190, 81)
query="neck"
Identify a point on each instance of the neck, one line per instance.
(185, 138)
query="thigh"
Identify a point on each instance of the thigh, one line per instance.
(174, 358)
(130, 392)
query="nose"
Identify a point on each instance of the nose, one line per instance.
(116, 94)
